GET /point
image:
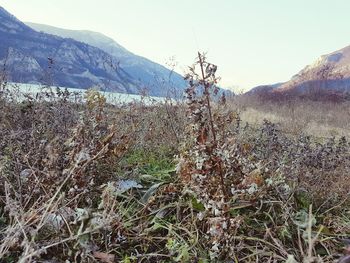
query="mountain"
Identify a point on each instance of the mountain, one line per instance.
(328, 78)
(29, 56)
(264, 88)
(156, 78)
(32, 57)
(329, 73)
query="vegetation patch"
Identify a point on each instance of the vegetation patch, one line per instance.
(172, 182)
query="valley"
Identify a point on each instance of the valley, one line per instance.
(107, 156)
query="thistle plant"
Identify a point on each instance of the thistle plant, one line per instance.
(207, 164)
(203, 131)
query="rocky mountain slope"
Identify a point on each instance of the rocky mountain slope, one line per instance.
(32, 57)
(156, 78)
(329, 74)
(29, 56)
(264, 88)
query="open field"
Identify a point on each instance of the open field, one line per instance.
(315, 118)
(96, 182)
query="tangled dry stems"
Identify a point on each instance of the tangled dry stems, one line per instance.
(93, 182)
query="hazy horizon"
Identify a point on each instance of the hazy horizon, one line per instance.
(252, 42)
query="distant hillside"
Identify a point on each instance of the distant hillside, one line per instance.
(328, 78)
(157, 79)
(328, 73)
(33, 57)
(264, 88)
(78, 59)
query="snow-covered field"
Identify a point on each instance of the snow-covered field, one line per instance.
(23, 91)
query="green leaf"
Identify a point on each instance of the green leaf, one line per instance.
(183, 255)
(326, 230)
(150, 192)
(198, 206)
(303, 199)
(301, 219)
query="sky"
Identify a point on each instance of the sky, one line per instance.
(253, 42)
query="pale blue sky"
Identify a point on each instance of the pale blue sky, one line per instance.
(253, 42)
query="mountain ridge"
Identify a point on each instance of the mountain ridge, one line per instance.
(329, 72)
(54, 60)
(151, 74)
(36, 57)
(327, 76)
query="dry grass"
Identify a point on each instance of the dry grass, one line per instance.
(92, 182)
(319, 119)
